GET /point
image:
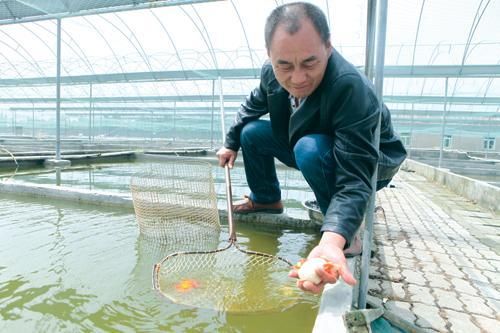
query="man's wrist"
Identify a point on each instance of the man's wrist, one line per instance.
(331, 238)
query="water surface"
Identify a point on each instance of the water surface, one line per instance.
(75, 268)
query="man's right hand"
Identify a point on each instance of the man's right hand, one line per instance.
(226, 156)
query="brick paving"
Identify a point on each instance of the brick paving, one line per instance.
(437, 259)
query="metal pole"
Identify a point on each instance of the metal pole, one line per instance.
(443, 123)
(58, 92)
(33, 121)
(370, 38)
(379, 80)
(174, 131)
(410, 144)
(90, 112)
(212, 117)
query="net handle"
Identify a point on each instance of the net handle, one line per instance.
(229, 193)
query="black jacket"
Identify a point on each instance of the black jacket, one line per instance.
(345, 107)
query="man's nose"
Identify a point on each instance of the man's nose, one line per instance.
(298, 76)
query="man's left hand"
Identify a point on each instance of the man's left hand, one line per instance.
(329, 248)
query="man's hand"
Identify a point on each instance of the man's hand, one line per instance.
(330, 248)
(226, 156)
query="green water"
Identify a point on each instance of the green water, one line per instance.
(74, 268)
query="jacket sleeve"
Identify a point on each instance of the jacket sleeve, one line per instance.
(253, 108)
(355, 115)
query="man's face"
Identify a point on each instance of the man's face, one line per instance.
(299, 60)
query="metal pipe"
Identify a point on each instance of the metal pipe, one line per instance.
(33, 121)
(369, 217)
(212, 117)
(90, 112)
(370, 38)
(443, 123)
(58, 92)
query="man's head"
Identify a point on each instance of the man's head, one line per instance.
(298, 44)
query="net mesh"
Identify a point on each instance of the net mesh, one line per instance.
(229, 279)
(176, 203)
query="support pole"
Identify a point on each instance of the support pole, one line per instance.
(369, 216)
(58, 92)
(370, 38)
(443, 123)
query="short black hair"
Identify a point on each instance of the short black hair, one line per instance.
(290, 15)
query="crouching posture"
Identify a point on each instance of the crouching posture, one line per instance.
(323, 115)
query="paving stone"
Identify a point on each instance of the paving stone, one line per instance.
(480, 247)
(452, 279)
(402, 244)
(454, 251)
(393, 290)
(430, 267)
(463, 261)
(418, 244)
(386, 250)
(374, 285)
(374, 270)
(404, 253)
(494, 304)
(484, 264)
(407, 263)
(421, 294)
(414, 277)
(443, 258)
(490, 255)
(461, 322)
(401, 309)
(448, 299)
(477, 305)
(437, 281)
(435, 246)
(488, 290)
(475, 274)
(471, 253)
(487, 324)
(463, 286)
(428, 317)
(423, 255)
(393, 274)
(390, 261)
(452, 270)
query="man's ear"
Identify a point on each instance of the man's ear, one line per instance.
(329, 47)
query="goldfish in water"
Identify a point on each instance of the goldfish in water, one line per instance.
(186, 285)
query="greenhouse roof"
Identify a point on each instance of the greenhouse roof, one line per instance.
(18, 11)
(170, 54)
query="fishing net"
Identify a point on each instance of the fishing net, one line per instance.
(176, 203)
(229, 279)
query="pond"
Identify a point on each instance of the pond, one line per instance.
(68, 267)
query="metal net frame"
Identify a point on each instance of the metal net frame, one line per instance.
(176, 202)
(229, 279)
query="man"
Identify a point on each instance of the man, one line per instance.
(323, 116)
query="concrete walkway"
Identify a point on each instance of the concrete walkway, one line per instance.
(437, 258)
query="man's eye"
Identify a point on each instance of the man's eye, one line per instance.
(309, 65)
(285, 68)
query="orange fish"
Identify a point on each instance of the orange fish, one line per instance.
(186, 285)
